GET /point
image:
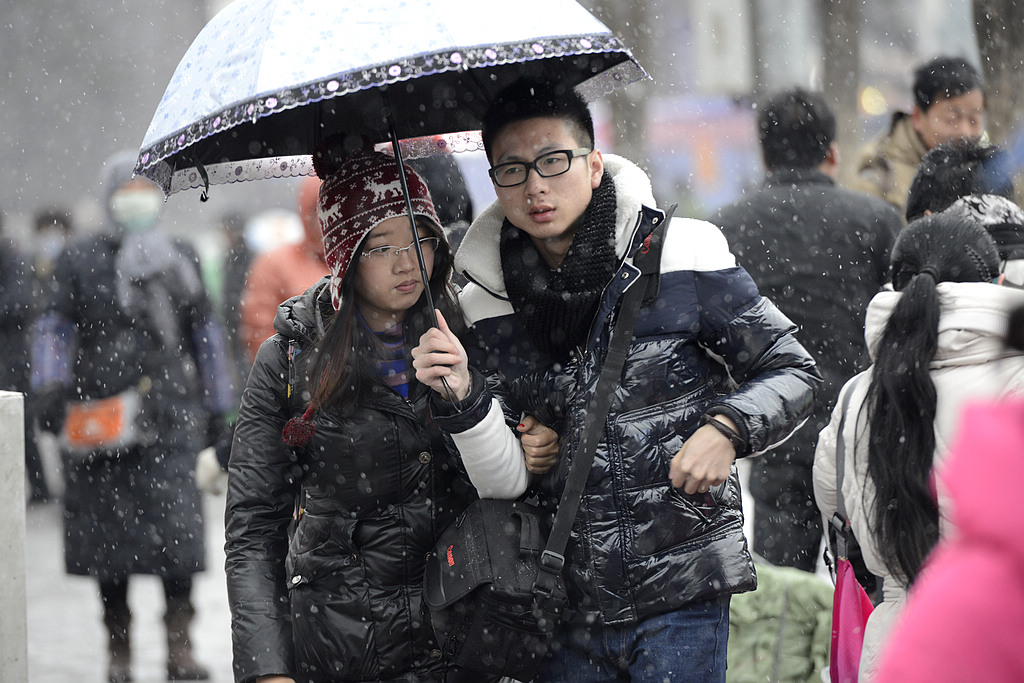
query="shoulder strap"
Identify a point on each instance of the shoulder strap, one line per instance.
(553, 557)
(841, 520)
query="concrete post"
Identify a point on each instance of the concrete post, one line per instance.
(14, 624)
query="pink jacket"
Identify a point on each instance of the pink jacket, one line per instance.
(964, 617)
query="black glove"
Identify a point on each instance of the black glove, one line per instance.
(51, 408)
(215, 427)
(223, 445)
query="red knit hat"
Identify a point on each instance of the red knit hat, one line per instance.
(357, 194)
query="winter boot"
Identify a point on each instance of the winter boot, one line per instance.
(118, 621)
(180, 664)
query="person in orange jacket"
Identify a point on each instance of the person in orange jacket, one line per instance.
(281, 273)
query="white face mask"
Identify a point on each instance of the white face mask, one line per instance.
(136, 208)
(49, 243)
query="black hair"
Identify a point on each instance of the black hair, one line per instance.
(343, 366)
(1015, 329)
(901, 399)
(527, 99)
(795, 128)
(942, 78)
(956, 169)
(53, 217)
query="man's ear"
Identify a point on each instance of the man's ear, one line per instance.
(596, 164)
(830, 164)
(917, 119)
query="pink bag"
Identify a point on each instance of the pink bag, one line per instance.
(851, 608)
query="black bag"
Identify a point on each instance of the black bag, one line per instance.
(494, 589)
(481, 589)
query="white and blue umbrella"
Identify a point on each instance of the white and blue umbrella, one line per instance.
(266, 80)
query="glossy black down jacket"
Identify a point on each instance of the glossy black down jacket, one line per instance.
(707, 344)
(380, 486)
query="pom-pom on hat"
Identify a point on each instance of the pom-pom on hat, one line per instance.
(361, 189)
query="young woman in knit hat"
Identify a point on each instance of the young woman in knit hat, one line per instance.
(339, 483)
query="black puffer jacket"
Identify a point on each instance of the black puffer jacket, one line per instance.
(380, 486)
(708, 344)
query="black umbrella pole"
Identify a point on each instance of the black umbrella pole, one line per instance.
(408, 207)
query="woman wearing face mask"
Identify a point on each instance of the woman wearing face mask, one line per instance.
(373, 479)
(128, 366)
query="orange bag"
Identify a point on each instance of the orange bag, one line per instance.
(102, 424)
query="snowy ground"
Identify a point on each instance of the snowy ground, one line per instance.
(65, 636)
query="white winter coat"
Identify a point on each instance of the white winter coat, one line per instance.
(971, 363)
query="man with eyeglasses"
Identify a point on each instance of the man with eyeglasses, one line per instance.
(713, 373)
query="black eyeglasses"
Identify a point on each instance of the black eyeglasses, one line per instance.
(546, 165)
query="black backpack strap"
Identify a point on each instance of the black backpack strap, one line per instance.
(553, 557)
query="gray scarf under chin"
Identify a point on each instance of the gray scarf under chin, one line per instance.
(154, 280)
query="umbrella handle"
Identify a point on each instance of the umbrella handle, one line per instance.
(393, 134)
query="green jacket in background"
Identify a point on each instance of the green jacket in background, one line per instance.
(781, 632)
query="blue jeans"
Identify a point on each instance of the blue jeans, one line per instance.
(685, 646)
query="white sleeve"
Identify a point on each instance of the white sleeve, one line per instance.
(493, 456)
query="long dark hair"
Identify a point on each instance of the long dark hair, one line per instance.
(901, 398)
(343, 364)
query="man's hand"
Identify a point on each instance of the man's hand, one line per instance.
(540, 445)
(439, 356)
(705, 460)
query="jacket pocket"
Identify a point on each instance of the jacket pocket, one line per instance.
(665, 517)
(645, 440)
(320, 546)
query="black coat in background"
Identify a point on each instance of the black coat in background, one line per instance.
(820, 253)
(15, 313)
(136, 510)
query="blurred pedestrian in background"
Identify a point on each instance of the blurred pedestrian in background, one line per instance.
(52, 227)
(237, 260)
(949, 103)
(956, 169)
(15, 320)
(282, 272)
(936, 341)
(974, 180)
(129, 367)
(819, 253)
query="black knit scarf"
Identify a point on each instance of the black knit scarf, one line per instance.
(558, 306)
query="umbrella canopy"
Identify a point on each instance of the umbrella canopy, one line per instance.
(266, 80)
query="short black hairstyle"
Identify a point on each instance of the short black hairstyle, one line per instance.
(956, 169)
(942, 78)
(52, 217)
(528, 99)
(795, 128)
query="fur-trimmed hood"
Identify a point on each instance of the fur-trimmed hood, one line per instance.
(479, 256)
(972, 325)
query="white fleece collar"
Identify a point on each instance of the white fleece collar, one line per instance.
(479, 256)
